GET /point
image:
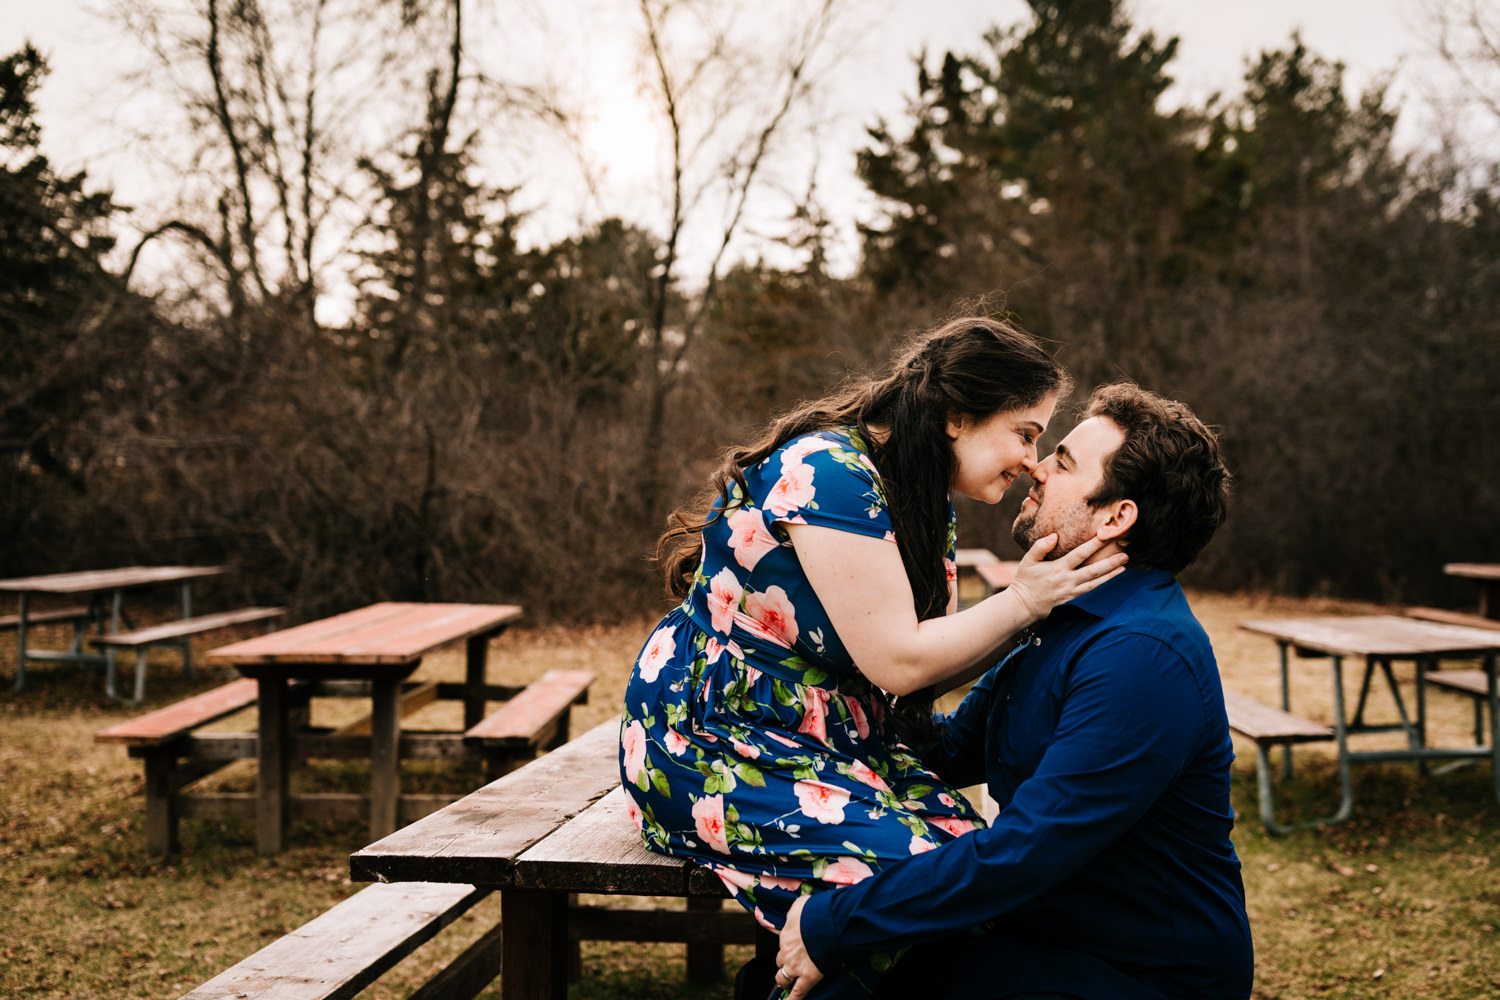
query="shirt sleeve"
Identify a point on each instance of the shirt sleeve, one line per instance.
(1131, 718)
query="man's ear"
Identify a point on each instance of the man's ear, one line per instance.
(1118, 517)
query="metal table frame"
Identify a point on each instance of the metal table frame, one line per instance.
(100, 586)
(1447, 642)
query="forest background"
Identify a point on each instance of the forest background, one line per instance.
(493, 417)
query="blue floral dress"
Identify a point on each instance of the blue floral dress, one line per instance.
(751, 743)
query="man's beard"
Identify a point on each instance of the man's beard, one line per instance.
(1073, 527)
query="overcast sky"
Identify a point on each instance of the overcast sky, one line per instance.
(1370, 36)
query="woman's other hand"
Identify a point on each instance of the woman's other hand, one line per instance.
(1041, 584)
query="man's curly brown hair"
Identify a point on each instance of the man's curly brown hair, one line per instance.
(1170, 465)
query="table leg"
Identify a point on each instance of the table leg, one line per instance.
(535, 943)
(385, 774)
(21, 644)
(1341, 731)
(273, 755)
(1286, 706)
(1492, 668)
(475, 676)
(187, 642)
(116, 601)
(705, 962)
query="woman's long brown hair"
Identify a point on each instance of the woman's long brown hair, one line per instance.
(976, 367)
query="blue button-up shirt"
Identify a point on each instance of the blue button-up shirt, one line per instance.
(1109, 869)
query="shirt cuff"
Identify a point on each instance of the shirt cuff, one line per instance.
(819, 935)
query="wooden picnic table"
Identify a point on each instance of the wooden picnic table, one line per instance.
(381, 645)
(1487, 577)
(100, 586)
(1380, 641)
(560, 826)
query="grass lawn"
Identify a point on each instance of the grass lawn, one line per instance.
(1401, 901)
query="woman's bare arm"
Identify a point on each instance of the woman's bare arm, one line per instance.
(863, 586)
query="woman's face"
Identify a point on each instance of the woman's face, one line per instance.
(989, 453)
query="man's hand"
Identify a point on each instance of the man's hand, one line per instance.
(794, 967)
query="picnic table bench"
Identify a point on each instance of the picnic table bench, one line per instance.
(179, 633)
(547, 831)
(533, 718)
(1266, 727)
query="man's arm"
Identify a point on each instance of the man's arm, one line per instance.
(1132, 716)
(956, 753)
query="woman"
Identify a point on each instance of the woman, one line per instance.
(760, 735)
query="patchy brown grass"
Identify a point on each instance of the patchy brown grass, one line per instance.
(1402, 901)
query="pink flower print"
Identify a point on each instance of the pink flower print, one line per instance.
(950, 570)
(815, 714)
(846, 871)
(751, 674)
(677, 744)
(708, 817)
(822, 802)
(773, 610)
(857, 716)
(781, 882)
(633, 740)
(863, 773)
(761, 919)
(920, 845)
(784, 740)
(724, 592)
(947, 799)
(657, 654)
(793, 490)
(794, 453)
(749, 538)
(634, 812)
(745, 750)
(954, 825)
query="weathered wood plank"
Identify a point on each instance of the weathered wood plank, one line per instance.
(1453, 617)
(381, 634)
(520, 721)
(600, 851)
(73, 614)
(339, 953)
(1263, 723)
(1377, 635)
(183, 627)
(1471, 682)
(94, 580)
(168, 723)
(477, 839)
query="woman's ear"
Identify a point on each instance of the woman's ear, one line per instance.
(1119, 516)
(956, 423)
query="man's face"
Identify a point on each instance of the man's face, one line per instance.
(1062, 484)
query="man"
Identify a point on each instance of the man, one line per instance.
(1108, 872)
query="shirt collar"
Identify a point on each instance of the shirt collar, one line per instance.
(1105, 599)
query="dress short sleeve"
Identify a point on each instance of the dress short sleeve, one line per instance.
(821, 479)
